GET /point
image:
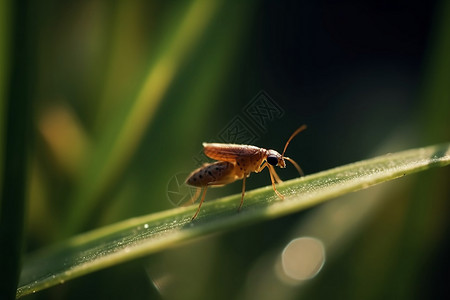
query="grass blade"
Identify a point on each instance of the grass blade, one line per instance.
(15, 100)
(126, 129)
(137, 237)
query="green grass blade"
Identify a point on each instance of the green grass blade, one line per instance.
(137, 237)
(15, 109)
(120, 138)
(5, 20)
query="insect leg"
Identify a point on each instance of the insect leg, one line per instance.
(200, 204)
(265, 164)
(194, 197)
(271, 169)
(243, 192)
(261, 167)
(276, 177)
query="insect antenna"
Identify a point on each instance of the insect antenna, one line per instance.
(300, 171)
(300, 129)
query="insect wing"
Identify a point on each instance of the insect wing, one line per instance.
(228, 152)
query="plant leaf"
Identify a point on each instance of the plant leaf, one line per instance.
(121, 137)
(141, 236)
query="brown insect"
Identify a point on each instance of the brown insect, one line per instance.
(237, 162)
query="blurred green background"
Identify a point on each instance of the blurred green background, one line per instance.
(123, 94)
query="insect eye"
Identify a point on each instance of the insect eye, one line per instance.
(273, 160)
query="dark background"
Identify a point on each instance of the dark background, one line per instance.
(367, 77)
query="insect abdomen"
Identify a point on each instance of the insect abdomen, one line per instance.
(210, 173)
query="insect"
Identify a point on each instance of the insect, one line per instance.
(236, 162)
